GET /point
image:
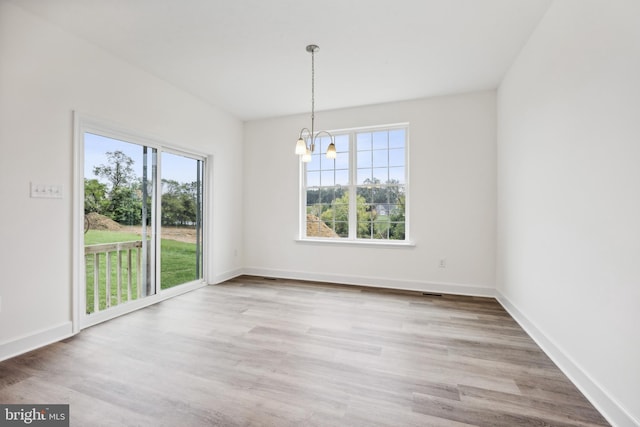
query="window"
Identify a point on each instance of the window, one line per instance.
(362, 194)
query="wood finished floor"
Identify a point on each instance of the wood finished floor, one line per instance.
(256, 352)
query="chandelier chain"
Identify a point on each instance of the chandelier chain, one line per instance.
(313, 91)
(302, 148)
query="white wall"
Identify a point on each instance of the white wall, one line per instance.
(568, 191)
(46, 74)
(452, 205)
(568, 183)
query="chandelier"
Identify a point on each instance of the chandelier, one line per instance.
(302, 149)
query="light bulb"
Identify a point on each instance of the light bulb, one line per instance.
(301, 147)
(306, 157)
(331, 151)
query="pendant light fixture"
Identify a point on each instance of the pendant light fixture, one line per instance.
(302, 149)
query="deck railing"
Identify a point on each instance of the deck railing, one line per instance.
(120, 249)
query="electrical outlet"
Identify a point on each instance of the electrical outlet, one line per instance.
(442, 263)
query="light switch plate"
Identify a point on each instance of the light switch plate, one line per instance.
(46, 191)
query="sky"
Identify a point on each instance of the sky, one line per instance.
(174, 167)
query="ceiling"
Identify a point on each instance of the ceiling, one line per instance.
(248, 56)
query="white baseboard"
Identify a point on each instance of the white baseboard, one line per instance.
(26, 343)
(227, 276)
(378, 282)
(596, 394)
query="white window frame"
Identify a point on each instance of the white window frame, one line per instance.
(352, 188)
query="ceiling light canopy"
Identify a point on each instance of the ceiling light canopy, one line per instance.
(312, 135)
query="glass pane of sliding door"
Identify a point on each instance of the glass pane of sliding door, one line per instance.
(119, 207)
(181, 220)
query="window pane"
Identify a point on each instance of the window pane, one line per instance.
(342, 228)
(342, 177)
(325, 196)
(381, 227)
(181, 220)
(330, 218)
(316, 209)
(342, 143)
(342, 161)
(313, 196)
(396, 175)
(396, 138)
(323, 143)
(313, 179)
(380, 140)
(327, 178)
(396, 157)
(364, 141)
(314, 164)
(365, 230)
(366, 193)
(380, 158)
(382, 210)
(316, 228)
(364, 159)
(327, 164)
(396, 231)
(369, 213)
(397, 215)
(380, 175)
(396, 211)
(396, 196)
(120, 180)
(380, 195)
(364, 175)
(340, 210)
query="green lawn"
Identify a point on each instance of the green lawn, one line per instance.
(178, 265)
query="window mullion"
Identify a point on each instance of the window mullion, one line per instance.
(302, 178)
(353, 174)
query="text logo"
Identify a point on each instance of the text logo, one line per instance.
(34, 415)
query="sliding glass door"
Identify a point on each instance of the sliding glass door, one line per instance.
(143, 227)
(119, 222)
(181, 220)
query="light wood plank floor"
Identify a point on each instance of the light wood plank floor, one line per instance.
(257, 352)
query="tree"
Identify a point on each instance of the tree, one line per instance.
(398, 220)
(126, 206)
(337, 216)
(95, 194)
(118, 172)
(385, 207)
(179, 203)
(124, 201)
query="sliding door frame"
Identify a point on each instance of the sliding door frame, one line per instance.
(87, 124)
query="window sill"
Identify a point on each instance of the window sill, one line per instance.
(371, 243)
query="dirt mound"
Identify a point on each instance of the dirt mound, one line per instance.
(101, 222)
(317, 228)
(179, 234)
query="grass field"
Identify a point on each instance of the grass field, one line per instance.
(178, 265)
